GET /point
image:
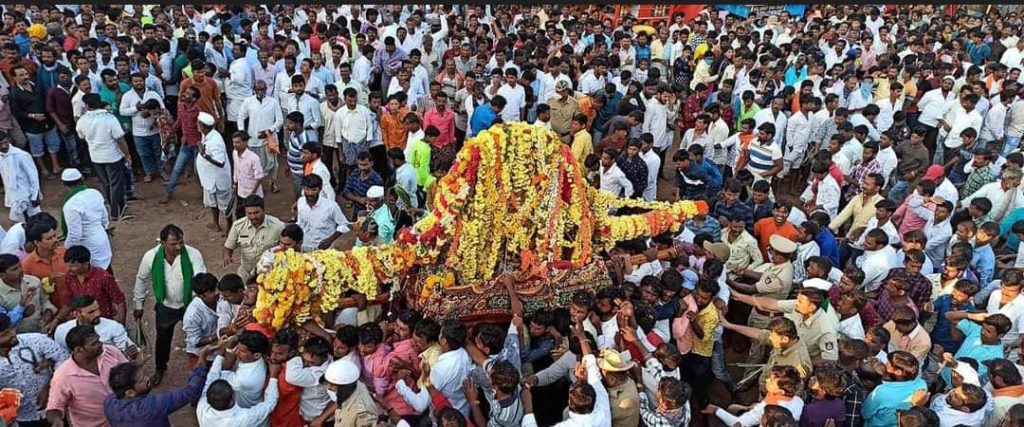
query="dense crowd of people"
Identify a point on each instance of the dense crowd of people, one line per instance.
(860, 263)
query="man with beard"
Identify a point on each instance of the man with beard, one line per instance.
(21, 181)
(79, 386)
(383, 231)
(32, 376)
(321, 219)
(87, 312)
(132, 404)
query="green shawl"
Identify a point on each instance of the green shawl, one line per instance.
(159, 277)
(74, 190)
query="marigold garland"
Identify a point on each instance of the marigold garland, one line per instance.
(514, 190)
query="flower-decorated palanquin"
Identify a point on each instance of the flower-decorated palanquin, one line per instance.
(515, 199)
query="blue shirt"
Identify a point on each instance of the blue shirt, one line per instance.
(984, 262)
(881, 405)
(941, 331)
(739, 210)
(589, 40)
(827, 245)
(793, 78)
(152, 409)
(15, 314)
(483, 117)
(642, 52)
(711, 227)
(973, 348)
(357, 186)
(978, 52)
(325, 74)
(1006, 227)
(714, 176)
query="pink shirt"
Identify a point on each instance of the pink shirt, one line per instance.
(444, 122)
(248, 173)
(911, 220)
(681, 331)
(375, 369)
(81, 392)
(403, 350)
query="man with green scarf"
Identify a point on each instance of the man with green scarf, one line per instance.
(815, 322)
(84, 219)
(168, 269)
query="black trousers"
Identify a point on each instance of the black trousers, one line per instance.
(166, 320)
(380, 163)
(696, 369)
(329, 153)
(931, 140)
(113, 185)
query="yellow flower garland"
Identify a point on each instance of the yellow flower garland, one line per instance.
(514, 189)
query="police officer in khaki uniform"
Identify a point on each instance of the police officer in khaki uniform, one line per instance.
(252, 235)
(783, 337)
(356, 408)
(774, 280)
(816, 325)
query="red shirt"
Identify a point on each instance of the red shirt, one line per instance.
(98, 284)
(188, 123)
(286, 413)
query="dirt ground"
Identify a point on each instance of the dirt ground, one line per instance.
(134, 237)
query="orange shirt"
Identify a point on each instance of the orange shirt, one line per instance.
(209, 96)
(393, 129)
(765, 228)
(55, 269)
(588, 109)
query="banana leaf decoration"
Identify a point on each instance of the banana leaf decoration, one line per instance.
(403, 196)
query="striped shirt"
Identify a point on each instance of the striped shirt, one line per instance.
(762, 157)
(295, 143)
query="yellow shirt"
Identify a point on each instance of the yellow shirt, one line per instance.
(881, 89)
(708, 321)
(582, 146)
(858, 210)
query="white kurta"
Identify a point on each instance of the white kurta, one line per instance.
(212, 177)
(263, 115)
(238, 87)
(87, 221)
(21, 180)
